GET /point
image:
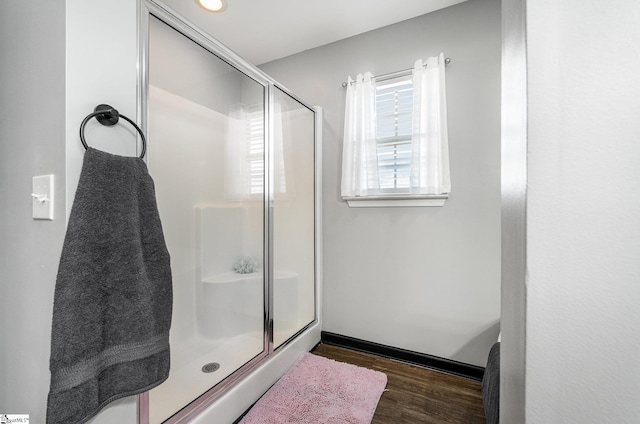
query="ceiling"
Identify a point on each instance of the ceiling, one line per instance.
(264, 30)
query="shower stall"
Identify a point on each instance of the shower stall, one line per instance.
(233, 156)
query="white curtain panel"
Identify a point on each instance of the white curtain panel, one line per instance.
(430, 141)
(359, 151)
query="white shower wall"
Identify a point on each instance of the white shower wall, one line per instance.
(187, 134)
(205, 235)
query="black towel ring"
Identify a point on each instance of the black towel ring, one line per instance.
(109, 116)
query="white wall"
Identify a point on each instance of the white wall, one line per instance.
(424, 279)
(583, 209)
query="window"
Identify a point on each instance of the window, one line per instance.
(395, 144)
(394, 113)
(255, 147)
(244, 149)
(255, 153)
(244, 153)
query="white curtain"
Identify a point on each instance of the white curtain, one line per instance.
(429, 141)
(359, 152)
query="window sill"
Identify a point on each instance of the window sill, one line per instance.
(436, 200)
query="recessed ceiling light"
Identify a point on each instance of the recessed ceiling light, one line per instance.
(212, 5)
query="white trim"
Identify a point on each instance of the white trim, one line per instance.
(436, 200)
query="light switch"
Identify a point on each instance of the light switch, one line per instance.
(42, 197)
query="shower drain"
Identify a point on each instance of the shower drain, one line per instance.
(211, 367)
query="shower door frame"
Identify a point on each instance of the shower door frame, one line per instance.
(146, 9)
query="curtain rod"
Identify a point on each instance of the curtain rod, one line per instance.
(396, 73)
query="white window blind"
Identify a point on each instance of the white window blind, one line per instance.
(255, 147)
(255, 150)
(394, 113)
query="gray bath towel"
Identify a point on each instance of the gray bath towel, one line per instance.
(113, 296)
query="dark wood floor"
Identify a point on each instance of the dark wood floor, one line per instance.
(416, 394)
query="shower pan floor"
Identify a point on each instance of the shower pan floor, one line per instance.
(187, 381)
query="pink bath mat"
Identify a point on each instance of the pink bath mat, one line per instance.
(318, 390)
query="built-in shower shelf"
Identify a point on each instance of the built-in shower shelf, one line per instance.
(231, 277)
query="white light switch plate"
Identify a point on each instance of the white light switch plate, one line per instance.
(42, 197)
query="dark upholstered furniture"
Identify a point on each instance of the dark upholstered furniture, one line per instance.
(491, 386)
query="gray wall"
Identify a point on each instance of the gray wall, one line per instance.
(32, 121)
(425, 279)
(51, 77)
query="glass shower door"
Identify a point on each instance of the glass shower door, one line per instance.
(206, 155)
(293, 147)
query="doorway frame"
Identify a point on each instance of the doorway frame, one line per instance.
(514, 216)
